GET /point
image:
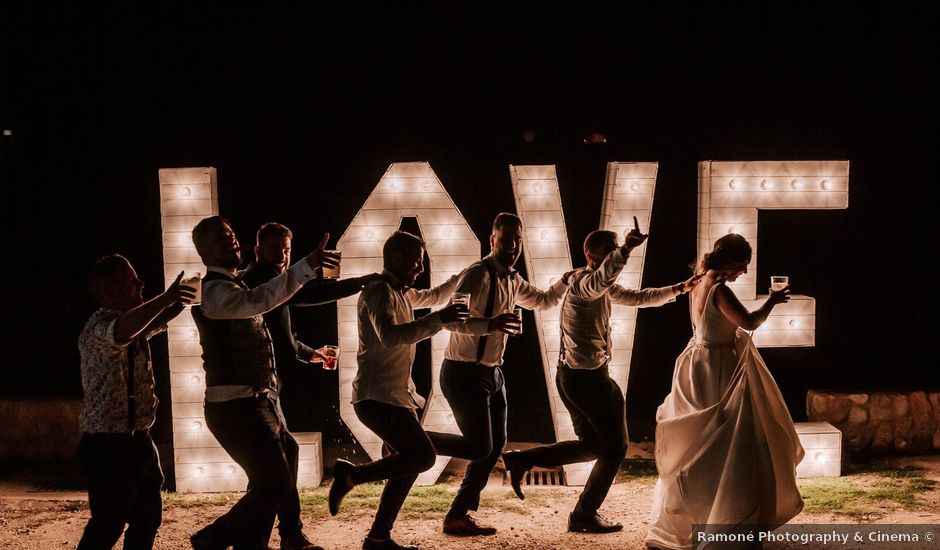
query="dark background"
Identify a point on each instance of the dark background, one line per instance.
(302, 110)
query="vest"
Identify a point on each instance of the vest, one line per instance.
(235, 351)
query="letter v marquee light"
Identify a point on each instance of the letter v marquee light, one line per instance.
(408, 189)
(729, 196)
(628, 192)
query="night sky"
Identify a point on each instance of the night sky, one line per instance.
(302, 110)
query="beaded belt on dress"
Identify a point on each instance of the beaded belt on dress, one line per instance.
(713, 345)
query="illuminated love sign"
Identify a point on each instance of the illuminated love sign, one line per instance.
(730, 194)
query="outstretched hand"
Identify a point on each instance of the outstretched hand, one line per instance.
(634, 237)
(454, 313)
(177, 293)
(692, 282)
(325, 354)
(320, 257)
(506, 322)
(781, 296)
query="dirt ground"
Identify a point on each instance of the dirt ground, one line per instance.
(46, 521)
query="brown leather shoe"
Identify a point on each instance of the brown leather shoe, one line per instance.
(298, 541)
(516, 469)
(342, 484)
(593, 523)
(387, 544)
(466, 526)
(207, 539)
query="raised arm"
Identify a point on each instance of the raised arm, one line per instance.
(145, 317)
(596, 282)
(380, 312)
(647, 297)
(228, 300)
(222, 299)
(531, 297)
(433, 296)
(734, 310)
(160, 323)
(652, 297)
(324, 291)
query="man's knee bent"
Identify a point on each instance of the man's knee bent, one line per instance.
(425, 459)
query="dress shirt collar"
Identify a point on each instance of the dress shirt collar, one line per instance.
(222, 271)
(394, 281)
(501, 270)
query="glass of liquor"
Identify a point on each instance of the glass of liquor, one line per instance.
(461, 298)
(518, 313)
(333, 272)
(193, 281)
(779, 282)
(332, 357)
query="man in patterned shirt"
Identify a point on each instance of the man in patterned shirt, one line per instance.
(117, 453)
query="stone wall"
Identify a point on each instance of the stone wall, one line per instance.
(880, 422)
(39, 428)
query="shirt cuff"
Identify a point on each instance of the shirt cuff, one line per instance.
(302, 271)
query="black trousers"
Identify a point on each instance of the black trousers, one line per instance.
(412, 452)
(597, 411)
(477, 396)
(124, 480)
(252, 431)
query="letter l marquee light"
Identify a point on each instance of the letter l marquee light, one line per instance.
(188, 195)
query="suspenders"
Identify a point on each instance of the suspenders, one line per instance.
(490, 303)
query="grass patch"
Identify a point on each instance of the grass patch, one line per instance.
(422, 502)
(73, 506)
(866, 494)
(828, 494)
(638, 469)
(186, 500)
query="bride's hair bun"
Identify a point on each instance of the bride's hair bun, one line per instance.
(730, 249)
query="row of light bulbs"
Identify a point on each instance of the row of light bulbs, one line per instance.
(768, 185)
(199, 471)
(395, 185)
(633, 185)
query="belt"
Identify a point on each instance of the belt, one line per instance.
(133, 433)
(221, 394)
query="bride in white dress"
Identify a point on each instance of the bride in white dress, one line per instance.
(726, 447)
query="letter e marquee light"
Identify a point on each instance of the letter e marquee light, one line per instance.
(729, 196)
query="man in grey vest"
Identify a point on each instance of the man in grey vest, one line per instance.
(242, 409)
(593, 399)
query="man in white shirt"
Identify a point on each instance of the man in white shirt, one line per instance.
(384, 395)
(242, 409)
(593, 399)
(471, 378)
